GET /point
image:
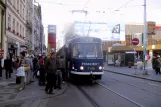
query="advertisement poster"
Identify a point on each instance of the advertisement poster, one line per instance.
(105, 31)
(151, 27)
(51, 38)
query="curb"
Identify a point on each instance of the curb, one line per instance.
(134, 76)
(36, 97)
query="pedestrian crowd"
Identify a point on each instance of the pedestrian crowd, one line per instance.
(50, 71)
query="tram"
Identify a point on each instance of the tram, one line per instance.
(83, 58)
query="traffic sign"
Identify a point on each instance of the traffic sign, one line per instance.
(135, 41)
(1, 51)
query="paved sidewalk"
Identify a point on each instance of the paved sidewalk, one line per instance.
(138, 74)
(33, 94)
(4, 81)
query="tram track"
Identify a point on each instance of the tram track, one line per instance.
(131, 101)
(135, 86)
(152, 83)
(90, 99)
(96, 104)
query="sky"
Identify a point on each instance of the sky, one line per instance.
(57, 12)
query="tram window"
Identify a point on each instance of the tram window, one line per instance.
(87, 50)
(75, 50)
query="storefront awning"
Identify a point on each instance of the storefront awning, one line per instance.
(121, 48)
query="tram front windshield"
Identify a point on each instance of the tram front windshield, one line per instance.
(87, 50)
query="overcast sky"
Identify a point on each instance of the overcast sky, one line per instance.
(129, 10)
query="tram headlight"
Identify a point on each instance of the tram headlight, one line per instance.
(81, 68)
(72, 66)
(100, 67)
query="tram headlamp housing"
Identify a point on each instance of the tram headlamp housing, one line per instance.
(81, 68)
(100, 67)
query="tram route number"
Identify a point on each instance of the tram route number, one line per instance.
(91, 68)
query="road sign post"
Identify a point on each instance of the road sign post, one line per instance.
(144, 38)
(135, 42)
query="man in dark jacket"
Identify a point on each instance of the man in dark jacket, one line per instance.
(153, 61)
(42, 71)
(50, 68)
(35, 61)
(158, 64)
(8, 67)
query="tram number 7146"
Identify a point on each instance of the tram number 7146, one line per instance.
(91, 68)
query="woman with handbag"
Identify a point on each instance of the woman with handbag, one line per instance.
(21, 73)
(23, 67)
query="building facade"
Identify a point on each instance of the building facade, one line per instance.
(2, 25)
(38, 29)
(28, 39)
(15, 26)
(130, 32)
(44, 50)
(133, 31)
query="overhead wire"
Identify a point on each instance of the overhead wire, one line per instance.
(86, 4)
(58, 3)
(124, 4)
(109, 9)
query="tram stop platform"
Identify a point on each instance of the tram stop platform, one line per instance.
(139, 73)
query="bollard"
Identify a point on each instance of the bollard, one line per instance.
(135, 67)
(129, 64)
(145, 72)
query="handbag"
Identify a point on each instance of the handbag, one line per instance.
(38, 73)
(27, 68)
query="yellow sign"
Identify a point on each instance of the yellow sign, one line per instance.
(151, 27)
